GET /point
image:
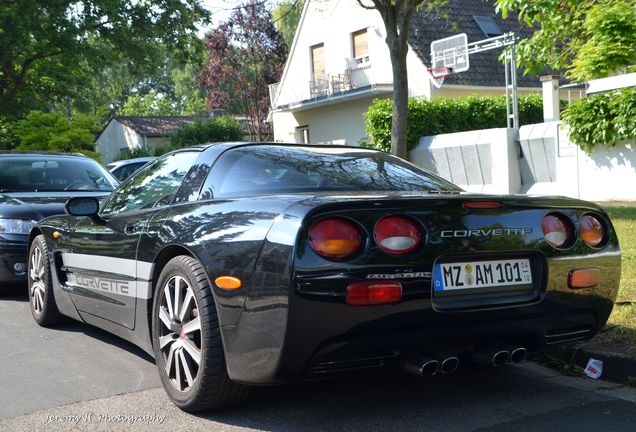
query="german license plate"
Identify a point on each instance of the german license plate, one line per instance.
(481, 274)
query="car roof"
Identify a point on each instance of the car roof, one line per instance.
(36, 154)
(121, 162)
(230, 145)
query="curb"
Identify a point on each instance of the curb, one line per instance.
(617, 367)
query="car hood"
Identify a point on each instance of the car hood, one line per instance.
(38, 205)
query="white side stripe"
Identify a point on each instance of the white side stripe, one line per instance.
(139, 289)
(126, 267)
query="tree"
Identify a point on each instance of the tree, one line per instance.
(244, 55)
(49, 49)
(150, 104)
(189, 98)
(8, 140)
(586, 38)
(397, 15)
(55, 132)
(286, 16)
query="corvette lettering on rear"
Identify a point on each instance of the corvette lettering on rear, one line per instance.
(491, 232)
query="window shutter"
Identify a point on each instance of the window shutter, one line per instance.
(360, 43)
(318, 61)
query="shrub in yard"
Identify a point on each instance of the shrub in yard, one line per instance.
(446, 115)
(54, 132)
(603, 119)
(214, 130)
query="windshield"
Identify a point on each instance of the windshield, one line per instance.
(267, 169)
(53, 174)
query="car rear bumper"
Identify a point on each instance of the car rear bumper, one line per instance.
(12, 253)
(309, 338)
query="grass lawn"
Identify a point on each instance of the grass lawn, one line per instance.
(620, 333)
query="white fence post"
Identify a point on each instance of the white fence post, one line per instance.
(551, 101)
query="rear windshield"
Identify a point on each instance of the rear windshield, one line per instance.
(50, 174)
(263, 170)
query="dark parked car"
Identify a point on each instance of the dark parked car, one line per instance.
(34, 186)
(122, 169)
(251, 264)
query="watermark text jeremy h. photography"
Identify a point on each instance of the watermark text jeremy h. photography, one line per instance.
(104, 418)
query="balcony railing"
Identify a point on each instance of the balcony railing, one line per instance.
(330, 85)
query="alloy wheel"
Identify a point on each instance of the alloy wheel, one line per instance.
(180, 339)
(36, 274)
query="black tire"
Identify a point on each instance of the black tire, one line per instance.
(211, 387)
(41, 298)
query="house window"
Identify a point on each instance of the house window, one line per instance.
(318, 61)
(302, 134)
(360, 43)
(488, 26)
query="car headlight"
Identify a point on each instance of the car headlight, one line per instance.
(16, 226)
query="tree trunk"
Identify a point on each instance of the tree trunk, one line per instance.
(399, 120)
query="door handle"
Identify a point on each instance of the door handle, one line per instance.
(134, 228)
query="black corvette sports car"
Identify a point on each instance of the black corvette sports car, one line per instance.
(238, 264)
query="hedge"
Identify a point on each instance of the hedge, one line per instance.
(603, 119)
(446, 115)
(217, 129)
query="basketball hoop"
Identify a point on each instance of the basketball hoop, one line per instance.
(438, 74)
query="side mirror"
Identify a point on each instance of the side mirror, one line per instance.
(82, 206)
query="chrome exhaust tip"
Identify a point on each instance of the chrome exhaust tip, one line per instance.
(491, 356)
(517, 355)
(420, 366)
(500, 358)
(449, 365)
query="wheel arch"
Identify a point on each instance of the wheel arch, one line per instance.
(32, 235)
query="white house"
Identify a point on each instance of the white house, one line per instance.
(128, 133)
(339, 62)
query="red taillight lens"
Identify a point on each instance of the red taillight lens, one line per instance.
(373, 293)
(557, 230)
(397, 234)
(335, 238)
(592, 230)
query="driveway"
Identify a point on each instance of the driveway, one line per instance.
(80, 378)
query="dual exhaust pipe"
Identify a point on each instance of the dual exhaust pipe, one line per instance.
(492, 356)
(427, 367)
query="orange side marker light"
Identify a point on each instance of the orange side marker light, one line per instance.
(228, 282)
(584, 278)
(56, 235)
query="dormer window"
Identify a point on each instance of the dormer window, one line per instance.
(488, 26)
(360, 43)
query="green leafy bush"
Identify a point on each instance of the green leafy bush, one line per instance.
(8, 140)
(446, 115)
(215, 130)
(603, 119)
(54, 132)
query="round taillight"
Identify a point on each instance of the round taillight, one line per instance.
(592, 230)
(335, 238)
(557, 230)
(397, 234)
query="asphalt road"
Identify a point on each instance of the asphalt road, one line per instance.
(79, 378)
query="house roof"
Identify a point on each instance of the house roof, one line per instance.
(457, 17)
(157, 126)
(161, 126)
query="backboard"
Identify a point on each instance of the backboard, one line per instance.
(450, 52)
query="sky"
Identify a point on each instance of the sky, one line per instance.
(222, 9)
